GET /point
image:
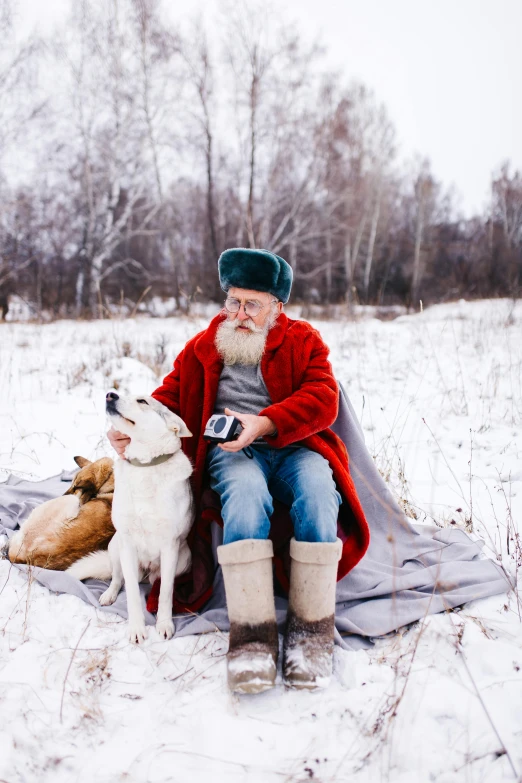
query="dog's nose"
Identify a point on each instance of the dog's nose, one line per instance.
(111, 397)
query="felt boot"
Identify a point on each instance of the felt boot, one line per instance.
(309, 637)
(249, 587)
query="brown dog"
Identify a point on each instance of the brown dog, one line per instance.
(62, 530)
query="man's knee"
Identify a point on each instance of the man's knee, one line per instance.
(316, 505)
(321, 528)
(316, 489)
(239, 478)
(246, 511)
(246, 503)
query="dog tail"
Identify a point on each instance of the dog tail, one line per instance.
(97, 565)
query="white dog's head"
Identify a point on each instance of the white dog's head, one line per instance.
(152, 428)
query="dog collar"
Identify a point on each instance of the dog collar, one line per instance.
(155, 461)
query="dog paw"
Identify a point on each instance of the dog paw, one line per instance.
(137, 633)
(108, 597)
(165, 628)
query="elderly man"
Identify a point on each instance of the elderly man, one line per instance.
(273, 374)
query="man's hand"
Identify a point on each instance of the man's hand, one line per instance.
(253, 427)
(119, 441)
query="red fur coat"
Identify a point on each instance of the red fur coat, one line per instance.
(304, 392)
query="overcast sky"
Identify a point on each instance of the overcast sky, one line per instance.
(449, 72)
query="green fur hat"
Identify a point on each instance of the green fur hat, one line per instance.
(258, 270)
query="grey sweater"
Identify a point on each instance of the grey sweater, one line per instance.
(242, 388)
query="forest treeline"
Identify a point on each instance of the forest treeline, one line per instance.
(133, 151)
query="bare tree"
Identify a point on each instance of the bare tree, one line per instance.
(507, 204)
(506, 211)
(252, 59)
(424, 195)
(110, 136)
(198, 59)
(18, 63)
(376, 211)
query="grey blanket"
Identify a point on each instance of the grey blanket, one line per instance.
(408, 572)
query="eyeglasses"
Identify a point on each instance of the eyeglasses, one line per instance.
(251, 308)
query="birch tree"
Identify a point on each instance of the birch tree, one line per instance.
(20, 108)
(423, 187)
(506, 210)
(109, 139)
(506, 192)
(200, 70)
(251, 59)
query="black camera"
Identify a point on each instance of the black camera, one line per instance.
(221, 428)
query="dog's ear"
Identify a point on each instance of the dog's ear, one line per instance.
(102, 475)
(82, 462)
(175, 423)
(181, 429)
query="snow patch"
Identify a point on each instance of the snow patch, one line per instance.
(439, 396)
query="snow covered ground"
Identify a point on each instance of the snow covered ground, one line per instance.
(440, 398)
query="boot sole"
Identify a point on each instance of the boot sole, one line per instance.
(248, 688)
(247, 673)
(302, 684)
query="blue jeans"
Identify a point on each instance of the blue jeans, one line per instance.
(300, 478)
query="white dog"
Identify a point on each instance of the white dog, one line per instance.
(152, 511)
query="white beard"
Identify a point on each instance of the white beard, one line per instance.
(236, 346)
